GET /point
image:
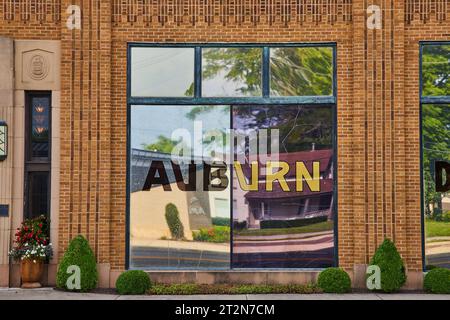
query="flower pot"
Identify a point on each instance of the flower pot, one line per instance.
(31, 273)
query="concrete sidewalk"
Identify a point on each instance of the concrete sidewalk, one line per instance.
(51, 294)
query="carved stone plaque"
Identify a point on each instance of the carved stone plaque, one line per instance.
(37, 65)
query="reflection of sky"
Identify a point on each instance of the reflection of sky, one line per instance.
(169, 72)
(162, 72)
(149, 122)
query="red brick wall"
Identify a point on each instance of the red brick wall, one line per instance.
(378, 106)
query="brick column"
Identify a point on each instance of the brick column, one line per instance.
(86, 128)
(379, 130)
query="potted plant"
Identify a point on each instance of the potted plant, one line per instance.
(32, 249)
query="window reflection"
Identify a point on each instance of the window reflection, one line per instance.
(162, 72)
(436, 148)
(174, 222)
(301, 71)
(436, 70)
(278, 224)
(231, 72)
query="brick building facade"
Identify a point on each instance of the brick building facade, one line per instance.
(378, 114)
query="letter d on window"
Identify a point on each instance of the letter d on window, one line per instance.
(440, 167)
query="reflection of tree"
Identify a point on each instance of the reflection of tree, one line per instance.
(300, 126)
(435, 119)
(436, 70)
(162, 144)
(240, 65)
(436, 146)
(293, 71)
(301, 71)
(165, 145)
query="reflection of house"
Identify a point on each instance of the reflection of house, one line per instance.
(281, 205)
(446, 203)
(147, 208)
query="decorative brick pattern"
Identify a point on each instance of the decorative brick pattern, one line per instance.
(231, 11)
(426, 9)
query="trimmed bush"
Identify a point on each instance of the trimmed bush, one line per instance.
(133, 282)
(218, 221)
(195, 289)
(334, 280)
(437, 281)
(80, 254)
(239, 225)
(173, 222)
(280, 224)
(393, 275)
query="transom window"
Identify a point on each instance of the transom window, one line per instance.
(240, 73)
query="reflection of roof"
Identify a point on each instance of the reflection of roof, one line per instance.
(326, 186)
(141, 161)
(307, 157)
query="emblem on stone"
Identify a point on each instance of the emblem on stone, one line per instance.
(38, 69)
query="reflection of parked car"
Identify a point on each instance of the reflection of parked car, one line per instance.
(294, 205)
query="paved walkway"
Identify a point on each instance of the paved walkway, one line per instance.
(50, 294)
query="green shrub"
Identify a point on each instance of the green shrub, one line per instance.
(194, 289)
(173, 222)
(393, 275)
(446, 216)
(133, 282)
(80, 254)
(334, 280)
(218, 221)
(430, 267)
(272, 224)
(437, 281)
(239, 225)
(217, 234)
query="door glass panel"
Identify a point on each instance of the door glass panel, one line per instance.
(40, 127)
(38, 194)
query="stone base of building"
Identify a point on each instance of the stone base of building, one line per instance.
(108, 277)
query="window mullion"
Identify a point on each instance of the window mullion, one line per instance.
(198, 73)
(266, 72)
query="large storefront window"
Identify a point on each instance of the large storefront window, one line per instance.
(436, 153)
(235, 169)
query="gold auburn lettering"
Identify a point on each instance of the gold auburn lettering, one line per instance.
(302, 175)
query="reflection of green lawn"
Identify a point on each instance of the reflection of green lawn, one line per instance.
(437, 228)
(317, 227)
